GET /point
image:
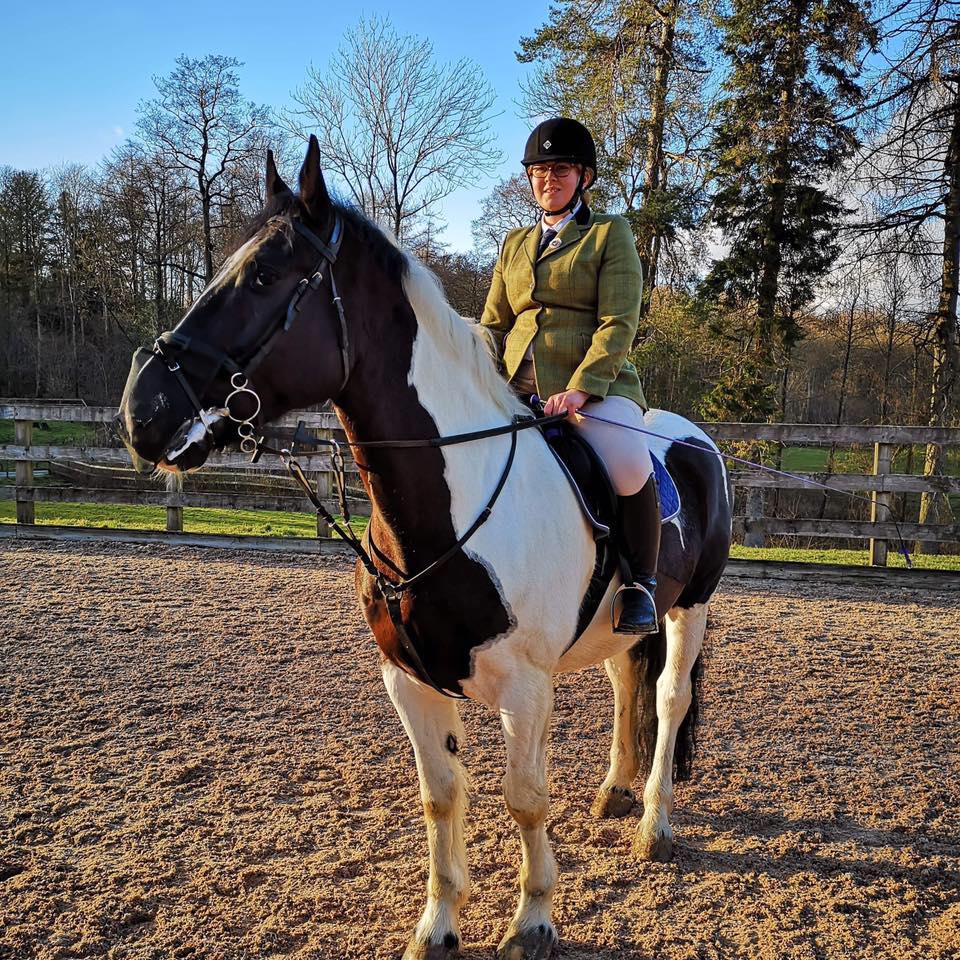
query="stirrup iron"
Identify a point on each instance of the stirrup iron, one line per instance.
(627, 588)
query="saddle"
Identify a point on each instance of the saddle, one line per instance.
(591, 485)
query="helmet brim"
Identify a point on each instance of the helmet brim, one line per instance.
(552, 158)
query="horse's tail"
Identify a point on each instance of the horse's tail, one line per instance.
(651, 655)
(686, 748)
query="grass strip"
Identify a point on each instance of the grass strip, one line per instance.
(850, 558)
(237, 523)
(266, 523)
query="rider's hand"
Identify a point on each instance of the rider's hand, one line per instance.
(570, 401)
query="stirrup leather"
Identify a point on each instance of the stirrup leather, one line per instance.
(653, 605)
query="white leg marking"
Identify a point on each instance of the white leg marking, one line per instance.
(433, 725)
(525, 711)
(685, 630)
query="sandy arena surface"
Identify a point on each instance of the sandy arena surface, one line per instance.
(198, 760)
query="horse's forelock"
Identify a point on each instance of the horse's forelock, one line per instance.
(281, 206)
(277, 225)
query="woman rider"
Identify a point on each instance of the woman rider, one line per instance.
(565, 299)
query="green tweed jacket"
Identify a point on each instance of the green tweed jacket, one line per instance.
(578, 304)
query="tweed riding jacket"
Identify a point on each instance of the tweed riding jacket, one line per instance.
(578, 305)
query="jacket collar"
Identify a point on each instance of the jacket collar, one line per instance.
(571, 233)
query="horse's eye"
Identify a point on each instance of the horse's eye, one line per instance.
(263, 277)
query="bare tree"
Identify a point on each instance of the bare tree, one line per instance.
(508, 206)
(71, 185)
(200, 121)
(398, 129)
(913, 167)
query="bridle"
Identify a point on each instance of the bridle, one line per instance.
(172, 345)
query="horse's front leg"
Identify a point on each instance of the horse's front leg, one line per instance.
(433, 725)
(525, 712)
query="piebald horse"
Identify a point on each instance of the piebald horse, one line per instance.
(318, 304)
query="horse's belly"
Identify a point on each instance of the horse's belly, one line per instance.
(598, 642)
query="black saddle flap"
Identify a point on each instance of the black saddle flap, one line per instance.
(587, 475)
(591, 485)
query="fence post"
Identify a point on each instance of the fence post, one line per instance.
(174, 519)
(323, 490)
(880, 501)
(23, 435)
(753, 534)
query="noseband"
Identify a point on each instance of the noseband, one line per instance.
(173, 345)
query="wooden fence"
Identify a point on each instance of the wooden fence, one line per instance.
(752, 524)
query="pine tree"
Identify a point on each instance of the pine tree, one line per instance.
(633, 71)
(778, 139)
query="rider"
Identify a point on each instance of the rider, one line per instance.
(565, 299)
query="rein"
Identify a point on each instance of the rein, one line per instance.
(391, 591)
(171, 345)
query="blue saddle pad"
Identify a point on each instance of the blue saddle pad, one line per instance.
(669, 495)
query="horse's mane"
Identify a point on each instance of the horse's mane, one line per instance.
(464, 342)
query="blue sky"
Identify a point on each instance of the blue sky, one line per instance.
(72, 73)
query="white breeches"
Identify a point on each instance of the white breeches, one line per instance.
(624, 452)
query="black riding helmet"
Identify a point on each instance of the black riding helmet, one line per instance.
(558, 139)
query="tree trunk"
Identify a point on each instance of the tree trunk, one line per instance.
(36, 306)
(649, 239)
(768, 287)
(207, 237)
(159, 278)
(769, 283)
(887, 362)
(73, 328)
(945, 347)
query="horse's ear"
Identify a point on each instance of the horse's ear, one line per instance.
(313, 191)
(275, 184)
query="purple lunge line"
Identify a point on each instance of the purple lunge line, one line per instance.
(747, 463)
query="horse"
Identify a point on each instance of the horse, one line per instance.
(317, 304)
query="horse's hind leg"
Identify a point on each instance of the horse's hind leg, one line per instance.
(615, 797)
(525, 711)
(433, 725)
(685, 630)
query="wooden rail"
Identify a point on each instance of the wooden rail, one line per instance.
(879, 487)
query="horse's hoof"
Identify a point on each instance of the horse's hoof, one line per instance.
(449, 948)
(613, 802)
(656, 847)
(534, 944)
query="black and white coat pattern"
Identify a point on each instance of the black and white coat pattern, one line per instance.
(495, 622)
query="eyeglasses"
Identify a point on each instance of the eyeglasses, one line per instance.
(539, 171)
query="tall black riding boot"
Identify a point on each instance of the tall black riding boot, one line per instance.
(640, 547)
